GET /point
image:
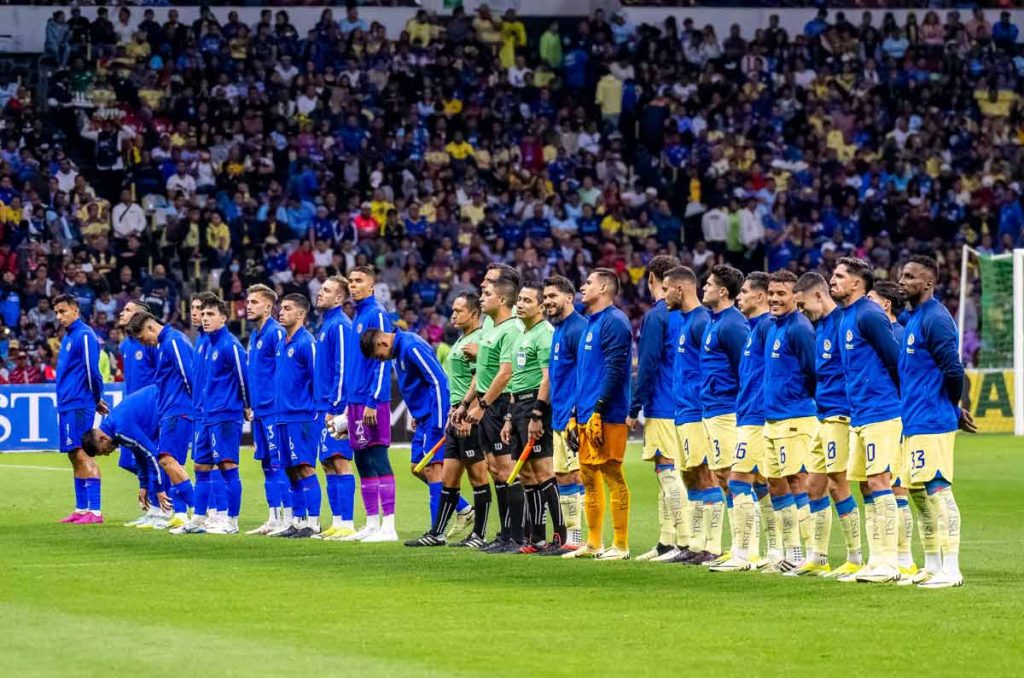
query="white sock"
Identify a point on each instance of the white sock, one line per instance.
(181, 516)
(373, 522)
(273, 514)
(314, 522)
(233, 521)
(287, 514)
(933, 562)
(336, 522)
(95, 513)
(951, 563)
(388, 523)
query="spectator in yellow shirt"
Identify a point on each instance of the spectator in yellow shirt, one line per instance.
(609, 97)
(513, 37)
(379, 206)
(419, 29)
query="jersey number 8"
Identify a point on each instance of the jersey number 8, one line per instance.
(830, 451)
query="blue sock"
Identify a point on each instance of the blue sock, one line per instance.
(728, 499)
(333, 498)
(462, 505)
(695, 496)
(881, 493)
(902, 502)
(92, 493)
(846, 505)
(312, 495)
(782, 502)
(298, 500)
(81, 497)
(714, 495)
(936, 485)
(663, 467)
(819, 505)
(869, 498)
(220, 490)
(182, 495)
(284, 490)
(567, 489)
(435, 499)
(233, 488)
(347, 496)
(760, 490)
(801, 499)
(203, 489)
(738, 487)
(581, 489)
(270, 487)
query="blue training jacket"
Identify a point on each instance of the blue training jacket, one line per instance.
(262, 357)
(750, 399)
(201, 348)
(789, 377)
(686, 367)
(604, 360)
(655, 357)
(225, 387)
(174, 371)
(139, 364)
(870, 358)
(721, 350)
(830, 392)
(135, 425)
(336, 351)
(565, 343)
(79, 383)
(931, 374)
(293, 378)
(421, 380)
(371, 378)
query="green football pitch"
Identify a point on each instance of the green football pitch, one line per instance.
(108, 600)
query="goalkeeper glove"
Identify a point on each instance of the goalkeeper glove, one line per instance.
(595, 429)
(572, 435)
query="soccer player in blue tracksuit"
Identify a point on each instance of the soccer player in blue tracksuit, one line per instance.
(336, 351)
(135, 424)
(870, 357)
(217, 497)
(298, 425)
(79, 397)
(791, 424)
(932, 379)
(749, 467)
(570, 327)
(721, 351)
(224, 395)
(601, 407)
(654, 396)
(266, 334)
(174, 402)
(369, 411)
(424, 387)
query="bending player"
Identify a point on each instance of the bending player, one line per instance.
(749, 466)
(870, 355)
(830, 454)
(602, 404)
(570, 327)
(174, 401)
(79, 397)
(932, 379)
(337, 349)
(134, 424)
(264, 337)
(655, 398)
(424, 387)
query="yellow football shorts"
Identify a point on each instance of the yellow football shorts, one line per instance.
(565, 460)
(721, 431)
(749, 452)
(930, 455)
(660, 439)
(693, 441)
(874, 449)
(788, 444)
(831, 450)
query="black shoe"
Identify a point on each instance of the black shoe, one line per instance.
(428, 539)
(552, 548)
(510, 546)
(287, 534)
(471, 542)
(702, 557)
(302, 533)
(499, 543)
(684, 556)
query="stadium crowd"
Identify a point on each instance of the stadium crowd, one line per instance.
(171, 157)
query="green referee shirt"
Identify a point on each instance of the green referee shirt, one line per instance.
(531, 351)
(460, 368)
(495, 349)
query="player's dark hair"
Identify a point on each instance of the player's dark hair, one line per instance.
(138, 323)
(783, 276)
(91, 442)
(298, 299)
(264, 291)
(472, 301)
(66, 299)
(732, 279)
(202, 297)
(681, 273)
(609, 277)
(536, 287)
(927, 262)
(143, 306)
(213, 301)
(369, 271)
(560, 283)
(660, 265)
(342, 282)
(758, 280)
(366, 341)
(507, 271)
(890, 291)
(809, 281)
(860, 269)
(506, 290)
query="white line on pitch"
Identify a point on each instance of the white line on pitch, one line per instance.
(35, 468)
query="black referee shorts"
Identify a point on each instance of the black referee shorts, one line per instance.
(490, 427)
(521, 410)
(467, 449)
